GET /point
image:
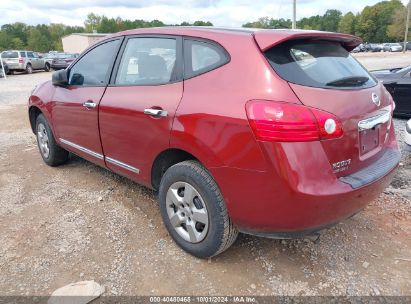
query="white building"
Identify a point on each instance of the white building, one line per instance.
(77, 43)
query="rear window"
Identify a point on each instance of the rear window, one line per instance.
(202, 56)
(321, 64)
(9, 55)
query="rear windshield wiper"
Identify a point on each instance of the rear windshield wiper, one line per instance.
(348, 81)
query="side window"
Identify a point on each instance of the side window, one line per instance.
(23, 54)
(30, 54)
(147, 61)
(94, 67)
(201, 57)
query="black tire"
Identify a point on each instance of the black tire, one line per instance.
(221, 233)
(56, 155)
(29, 69)
(47, 67)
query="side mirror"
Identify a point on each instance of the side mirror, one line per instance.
(77, 79)
(60, 78)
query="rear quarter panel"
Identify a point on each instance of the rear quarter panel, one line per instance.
(211, 121)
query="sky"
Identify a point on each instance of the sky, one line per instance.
(231, 13)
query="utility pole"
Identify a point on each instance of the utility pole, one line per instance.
(294, 14)
(406, 27)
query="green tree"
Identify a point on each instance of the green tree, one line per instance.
(107, 25)
(347, 24)
(37, 41)
(5, 41)
(17, 43)
(396, 30)
(330, 20)
(311, 23)
(374, 20)
(202, 23)
(269, 23)
(92, 22)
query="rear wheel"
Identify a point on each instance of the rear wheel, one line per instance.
(193, 210)
(29, 69)
(47, 67)
(52, 154)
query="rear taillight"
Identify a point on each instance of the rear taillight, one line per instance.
(21, 60)
(280, 121)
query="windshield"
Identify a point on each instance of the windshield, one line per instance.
(322, 64)
(9, 55)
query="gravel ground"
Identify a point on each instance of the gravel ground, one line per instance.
(384, 60)
(81, 222)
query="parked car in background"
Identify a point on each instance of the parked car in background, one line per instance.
(356, 50)
(361, 48)
(293, 151)
(24, 61)
(6, 69)
(392, 47)
(408, 135)
(409, 46)
(62, 60)
(398, 83)
(375, 47)
(48, 57)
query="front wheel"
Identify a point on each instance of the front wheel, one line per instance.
(193, 210)
(47, 67)
(52, 154)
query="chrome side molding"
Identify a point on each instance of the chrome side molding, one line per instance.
(99, 156)
(122, 165)
(81, 148)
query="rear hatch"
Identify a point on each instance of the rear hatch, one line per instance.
(324, 76)
(11, 58)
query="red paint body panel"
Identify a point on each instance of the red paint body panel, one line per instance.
(129, 135)
(350, 106)
(298, 191)
(267, 39)
(75, 123)
(267, 186)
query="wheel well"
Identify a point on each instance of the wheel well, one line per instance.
(165, 160)
(33, 113)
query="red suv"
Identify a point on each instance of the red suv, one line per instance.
(275, 133)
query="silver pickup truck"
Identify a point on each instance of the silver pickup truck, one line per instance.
(24, 61)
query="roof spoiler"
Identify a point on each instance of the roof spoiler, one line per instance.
(269, 38)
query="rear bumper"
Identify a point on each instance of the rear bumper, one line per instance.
(298, 197)
(59, 66)
(16, 66)
(387, 162)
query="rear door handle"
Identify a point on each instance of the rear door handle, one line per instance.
(89, 104)
(155, 112)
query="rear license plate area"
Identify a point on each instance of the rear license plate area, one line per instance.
(369, 140)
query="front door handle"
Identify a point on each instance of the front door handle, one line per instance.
(155, 112)
(89, 104)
